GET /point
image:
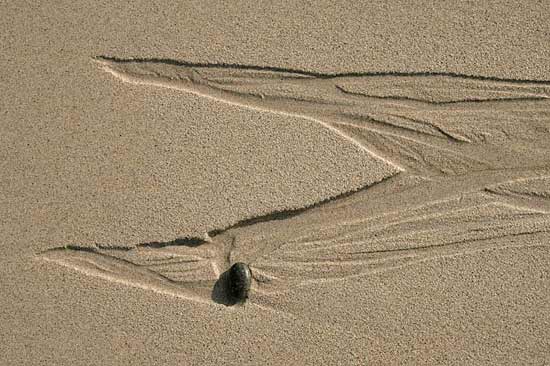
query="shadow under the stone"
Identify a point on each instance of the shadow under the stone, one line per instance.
(221, 293)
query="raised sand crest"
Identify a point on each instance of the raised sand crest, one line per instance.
(427, 123)
(332, 242)
(463, 139)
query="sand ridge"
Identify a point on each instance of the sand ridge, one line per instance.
(479, 219)
(382, 167)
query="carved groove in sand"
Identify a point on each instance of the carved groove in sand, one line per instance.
(474, 144)
(310, 248)
(427, 124)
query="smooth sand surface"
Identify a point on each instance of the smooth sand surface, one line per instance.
(382, 168)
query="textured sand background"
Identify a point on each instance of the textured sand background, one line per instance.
(87, 159)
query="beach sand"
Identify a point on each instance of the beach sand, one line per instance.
(383, 168)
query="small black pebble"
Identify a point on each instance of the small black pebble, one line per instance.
(240, 280)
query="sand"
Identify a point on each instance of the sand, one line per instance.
(382, 168)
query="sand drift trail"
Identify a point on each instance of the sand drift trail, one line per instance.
(464, 162)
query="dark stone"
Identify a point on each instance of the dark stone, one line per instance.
(240, 279)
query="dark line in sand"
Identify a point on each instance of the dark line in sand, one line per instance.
(310, 73)
(428, 102)
(195, 241)
(286, 214)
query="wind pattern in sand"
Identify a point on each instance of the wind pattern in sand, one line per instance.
(428, 124)
(467, 162)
